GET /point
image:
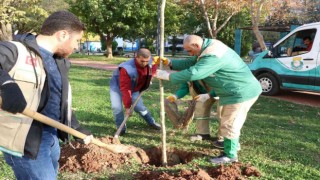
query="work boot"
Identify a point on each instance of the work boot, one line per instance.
(122, 133)
(223, 159)
(151, 122)
(155, 126)
(219, 144)
(230, 152)
(200, 137)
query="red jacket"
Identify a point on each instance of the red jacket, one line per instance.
(125, 83)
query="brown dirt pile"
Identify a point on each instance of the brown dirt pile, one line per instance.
(231, 172)
(92, 158)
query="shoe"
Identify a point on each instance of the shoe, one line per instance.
(218, 144)
(223, 159)
(150, 120)
(122, 133)
(200, 137)
(155, 126)
(217, 138)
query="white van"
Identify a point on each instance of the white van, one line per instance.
(292, 63)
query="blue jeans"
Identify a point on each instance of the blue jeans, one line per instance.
(44, 167)
(117, 108)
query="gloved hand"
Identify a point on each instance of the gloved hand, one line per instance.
(87, 139)
(12, 98)
(162, 74)
(172, 98)
(202, 97)
(156, 60)
(128, 112)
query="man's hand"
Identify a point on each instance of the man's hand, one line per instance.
(128, 112)
(156, 60)
(202, 97)
(162, 74)
(12, 98)
(172, 98)
(87, 139)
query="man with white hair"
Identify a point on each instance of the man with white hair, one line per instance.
(222, 70)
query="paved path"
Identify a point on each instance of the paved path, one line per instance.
(298, 97)
(95, 64)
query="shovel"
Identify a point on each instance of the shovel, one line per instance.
(116, 135)
(115, 148)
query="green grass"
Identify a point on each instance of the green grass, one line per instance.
(102, 58)
(281, 139)
(114, 60)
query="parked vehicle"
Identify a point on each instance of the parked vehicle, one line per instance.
(291, 63)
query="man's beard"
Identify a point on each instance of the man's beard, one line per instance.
(62, 53)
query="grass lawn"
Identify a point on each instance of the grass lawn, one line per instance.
(102, 58)
(115, 60)
(281, 139)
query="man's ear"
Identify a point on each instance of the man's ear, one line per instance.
(195, 46)
(62, 35)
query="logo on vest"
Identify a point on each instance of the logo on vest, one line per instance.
(31, 61)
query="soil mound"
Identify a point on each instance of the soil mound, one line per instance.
(231, 172)
(174, 156)
(92, 158)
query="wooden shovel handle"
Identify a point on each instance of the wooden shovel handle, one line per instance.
(116, 135)
(46, 120)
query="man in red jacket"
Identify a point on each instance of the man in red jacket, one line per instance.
(127, 82)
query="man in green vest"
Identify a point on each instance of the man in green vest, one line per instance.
(200, 112)
(224, 71)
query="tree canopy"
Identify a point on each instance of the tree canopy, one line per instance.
(22, 15)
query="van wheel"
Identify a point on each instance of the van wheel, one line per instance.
(269, 84)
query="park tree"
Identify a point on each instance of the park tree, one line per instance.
(256, 11)
(110, 19)
(22, 15)
(145, 28)
(216, 13)
(282, 13)
(175, 22)
(287, 12)
(227, 35)
(54, 5)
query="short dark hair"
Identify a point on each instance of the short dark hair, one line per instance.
(143, 52)
(307, 37)
(61, 20)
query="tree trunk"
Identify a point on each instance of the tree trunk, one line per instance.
(206, 17)
(162, 113)
(5, 32)
(103, 41)
(224, 23)
(255, 17)
(174, 45)
(215, 19)
(109, 46)
(259, 37)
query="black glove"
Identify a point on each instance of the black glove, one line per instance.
(12, 98)
(84, 131)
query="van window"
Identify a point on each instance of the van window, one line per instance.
(298, 43)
